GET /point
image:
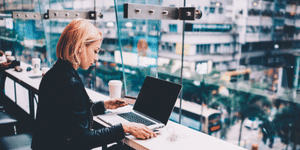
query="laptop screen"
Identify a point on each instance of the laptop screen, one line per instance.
(157, 98)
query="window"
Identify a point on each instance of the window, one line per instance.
(217, 48)
(221, 10)
(203, 49)
(163, 47)
(169, 46)
(226, 48)
(212, 10)
(205, 9)
(173, 28)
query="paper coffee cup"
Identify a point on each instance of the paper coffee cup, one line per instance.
(115, 88)
(2, 59)
(10, 58)
(36, 63)
(8, 53)
(44, 70)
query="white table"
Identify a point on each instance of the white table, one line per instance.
(188, 139)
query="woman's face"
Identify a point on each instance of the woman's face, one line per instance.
(90, 55)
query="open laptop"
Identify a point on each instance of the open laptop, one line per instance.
(153, 105)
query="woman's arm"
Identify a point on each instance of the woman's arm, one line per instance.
(98, 108)
(94, 138)
(80, 119)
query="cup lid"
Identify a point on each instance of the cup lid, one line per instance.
(35, 60)
(45, 68)
(115, 82)
(11, 57)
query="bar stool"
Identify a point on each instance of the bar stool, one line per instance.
(16, 142)
(7, 122)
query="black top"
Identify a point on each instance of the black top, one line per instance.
(64, 115)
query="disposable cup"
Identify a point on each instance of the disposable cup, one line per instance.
(44, 70)
(8, 53)
(2, 59)
(10, 58)
(115, 88)
(36, 63)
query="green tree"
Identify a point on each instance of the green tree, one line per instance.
(251, 106)
(287, 124)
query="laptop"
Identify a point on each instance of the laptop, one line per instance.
(152, 107)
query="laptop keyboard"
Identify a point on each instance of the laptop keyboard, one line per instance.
(132, 117)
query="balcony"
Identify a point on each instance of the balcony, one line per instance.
(254, 12)
(267, 13)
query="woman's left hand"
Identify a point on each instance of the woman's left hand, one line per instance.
(114, 104)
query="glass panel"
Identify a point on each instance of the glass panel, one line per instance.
(98, 76)
(139, 40)
(170, 59)
(52, 28)
(246, 70)
(25, 39)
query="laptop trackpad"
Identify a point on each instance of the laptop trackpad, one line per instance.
(112, 119)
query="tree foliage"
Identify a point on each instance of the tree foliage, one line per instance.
(287, 124)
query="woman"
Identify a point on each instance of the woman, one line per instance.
(64, 115)
(142, 47)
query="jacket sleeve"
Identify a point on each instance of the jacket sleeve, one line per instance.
(98, 108)
(80, 117)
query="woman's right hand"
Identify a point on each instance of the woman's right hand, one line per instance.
(138, 130)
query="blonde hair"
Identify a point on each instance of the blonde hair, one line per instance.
(77, 35)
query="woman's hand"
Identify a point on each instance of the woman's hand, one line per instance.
(5, 65)
(138, 130)
(114, 104)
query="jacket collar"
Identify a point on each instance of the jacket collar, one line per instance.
(68, 68)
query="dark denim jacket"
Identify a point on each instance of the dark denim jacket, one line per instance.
(64, 113)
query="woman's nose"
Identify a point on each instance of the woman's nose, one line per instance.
(96, 58)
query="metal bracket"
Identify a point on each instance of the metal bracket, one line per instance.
(140, 11)
(5, 16)
(71, 14)
(26, 15)
(67, 14)
(187, 13)
(57, 14)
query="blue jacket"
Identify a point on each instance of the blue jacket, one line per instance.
(65, 114)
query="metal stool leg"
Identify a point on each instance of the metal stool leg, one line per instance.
(15, 129)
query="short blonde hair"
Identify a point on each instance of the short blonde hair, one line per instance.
(77, 35)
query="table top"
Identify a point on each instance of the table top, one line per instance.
(33, 80)
(187, 138)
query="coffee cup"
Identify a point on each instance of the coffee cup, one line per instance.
(8, 53)
(44, 70)
(115, 88)
(8, 56)
(2, 59)
(36, 63)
